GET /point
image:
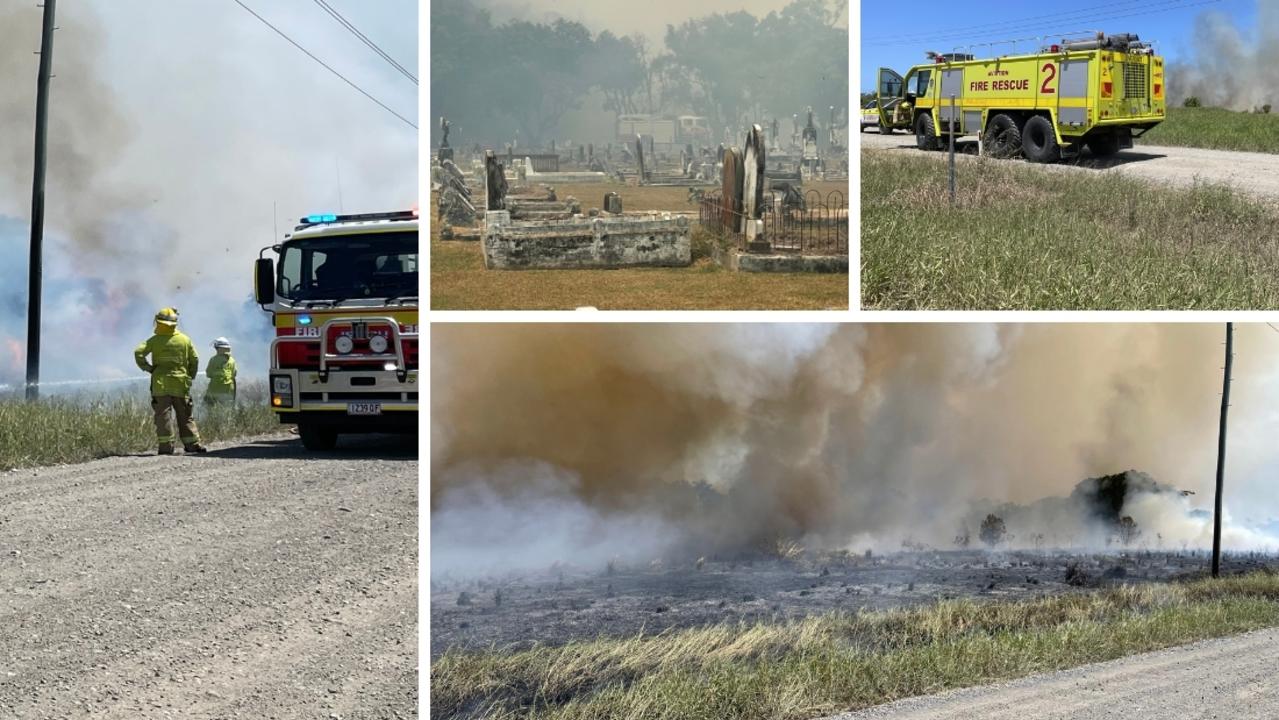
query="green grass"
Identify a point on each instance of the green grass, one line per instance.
(69, 430)
(1024, 237)
(1217, 129)
(459, 280)
(831, 663)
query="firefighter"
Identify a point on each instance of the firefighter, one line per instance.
(221, 373)
(172, 365)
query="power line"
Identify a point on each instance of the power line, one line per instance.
(364, 39)
(1015, 21)
(1029, 24)
(325, 65)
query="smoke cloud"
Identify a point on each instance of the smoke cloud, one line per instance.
(734, 438)
(184, 137)
(1229, 68)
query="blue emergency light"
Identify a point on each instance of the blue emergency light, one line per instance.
(304, 319)
(321, 218)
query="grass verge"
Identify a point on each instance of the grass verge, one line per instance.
(833, 663)
(459, 280)
(1216, 129)
(1024, 237)
(71, 429)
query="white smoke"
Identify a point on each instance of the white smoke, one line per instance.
(1230, 67)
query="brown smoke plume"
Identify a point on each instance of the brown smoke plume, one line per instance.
(734, 436)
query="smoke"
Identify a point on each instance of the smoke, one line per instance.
(1229, 68)
(184, 137)
(735, 437)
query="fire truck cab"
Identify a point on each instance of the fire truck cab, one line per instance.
(1097, 93)
(344, 303)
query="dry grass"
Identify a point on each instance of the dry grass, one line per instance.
(459, 280)
(826, 664)
(1024, 237)
(68, 430)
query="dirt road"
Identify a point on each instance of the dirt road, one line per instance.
(252, 582)
(1254, 173)
(1229, 678)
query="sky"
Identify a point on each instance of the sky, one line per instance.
(648, 18)
(184, 137)
(891, 38)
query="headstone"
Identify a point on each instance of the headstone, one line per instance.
(613, 203)
(494, 183)
(753, 189)
(446, 152)
(731, 191)
(639, 159)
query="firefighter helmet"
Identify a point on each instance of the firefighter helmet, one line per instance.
(167, 316)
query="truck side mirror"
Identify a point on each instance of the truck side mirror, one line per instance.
(264, 281)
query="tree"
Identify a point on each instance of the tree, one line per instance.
(992, 530)
(1127, 530)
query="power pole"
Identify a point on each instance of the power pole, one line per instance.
(1221, 453)
(34, 278)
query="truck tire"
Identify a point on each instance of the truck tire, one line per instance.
(1104, 145)
(1003, 138)
(885, 130)
(317, 438)
(925, 134)
(1039, 140)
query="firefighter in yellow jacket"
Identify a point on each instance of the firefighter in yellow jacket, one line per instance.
(222, 375)
(173, 364)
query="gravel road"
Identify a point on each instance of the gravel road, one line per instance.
(1254, 173)
(1227, 678)
(252, 582)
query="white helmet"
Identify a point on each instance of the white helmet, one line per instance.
(222, 343)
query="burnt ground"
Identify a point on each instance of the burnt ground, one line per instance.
(556, 605)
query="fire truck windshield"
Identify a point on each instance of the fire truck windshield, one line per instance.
(344, 267)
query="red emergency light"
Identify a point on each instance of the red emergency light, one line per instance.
(1055, 48)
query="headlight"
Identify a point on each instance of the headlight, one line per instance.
(377, 344)
(281, 391)
(344, 344)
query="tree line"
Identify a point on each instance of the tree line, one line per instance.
(498, 81)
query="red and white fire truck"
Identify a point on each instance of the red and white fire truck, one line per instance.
(344, 299)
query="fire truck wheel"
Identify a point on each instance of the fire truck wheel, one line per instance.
(925, 134)
(317, 438)
(1039, 140)
(1104, 145)
(1003, 139)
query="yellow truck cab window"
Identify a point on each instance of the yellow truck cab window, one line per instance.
(921, 82)
(891, 86)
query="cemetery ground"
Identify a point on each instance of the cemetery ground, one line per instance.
(459, 280)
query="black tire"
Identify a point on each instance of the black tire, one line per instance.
(317, 438)
(1003, 137)
(926, 133)
(1104, 145)
(1039, 140)
(885, 130)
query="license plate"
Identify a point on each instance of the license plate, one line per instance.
(364, 408)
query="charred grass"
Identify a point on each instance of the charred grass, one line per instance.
(62, 430)
(838, 662)
(1217, 129)
(459, 280)
(1023, 237)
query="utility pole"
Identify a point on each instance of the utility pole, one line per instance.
(1221, 453)
(34, 277)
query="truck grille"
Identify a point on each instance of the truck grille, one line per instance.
(1135, 85)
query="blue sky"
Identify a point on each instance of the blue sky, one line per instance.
(895, 37)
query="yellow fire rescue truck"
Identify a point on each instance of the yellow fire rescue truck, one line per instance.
(345, 305)
(1099, 92)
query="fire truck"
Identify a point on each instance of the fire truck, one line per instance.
(1098, 93)
(344, 303)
